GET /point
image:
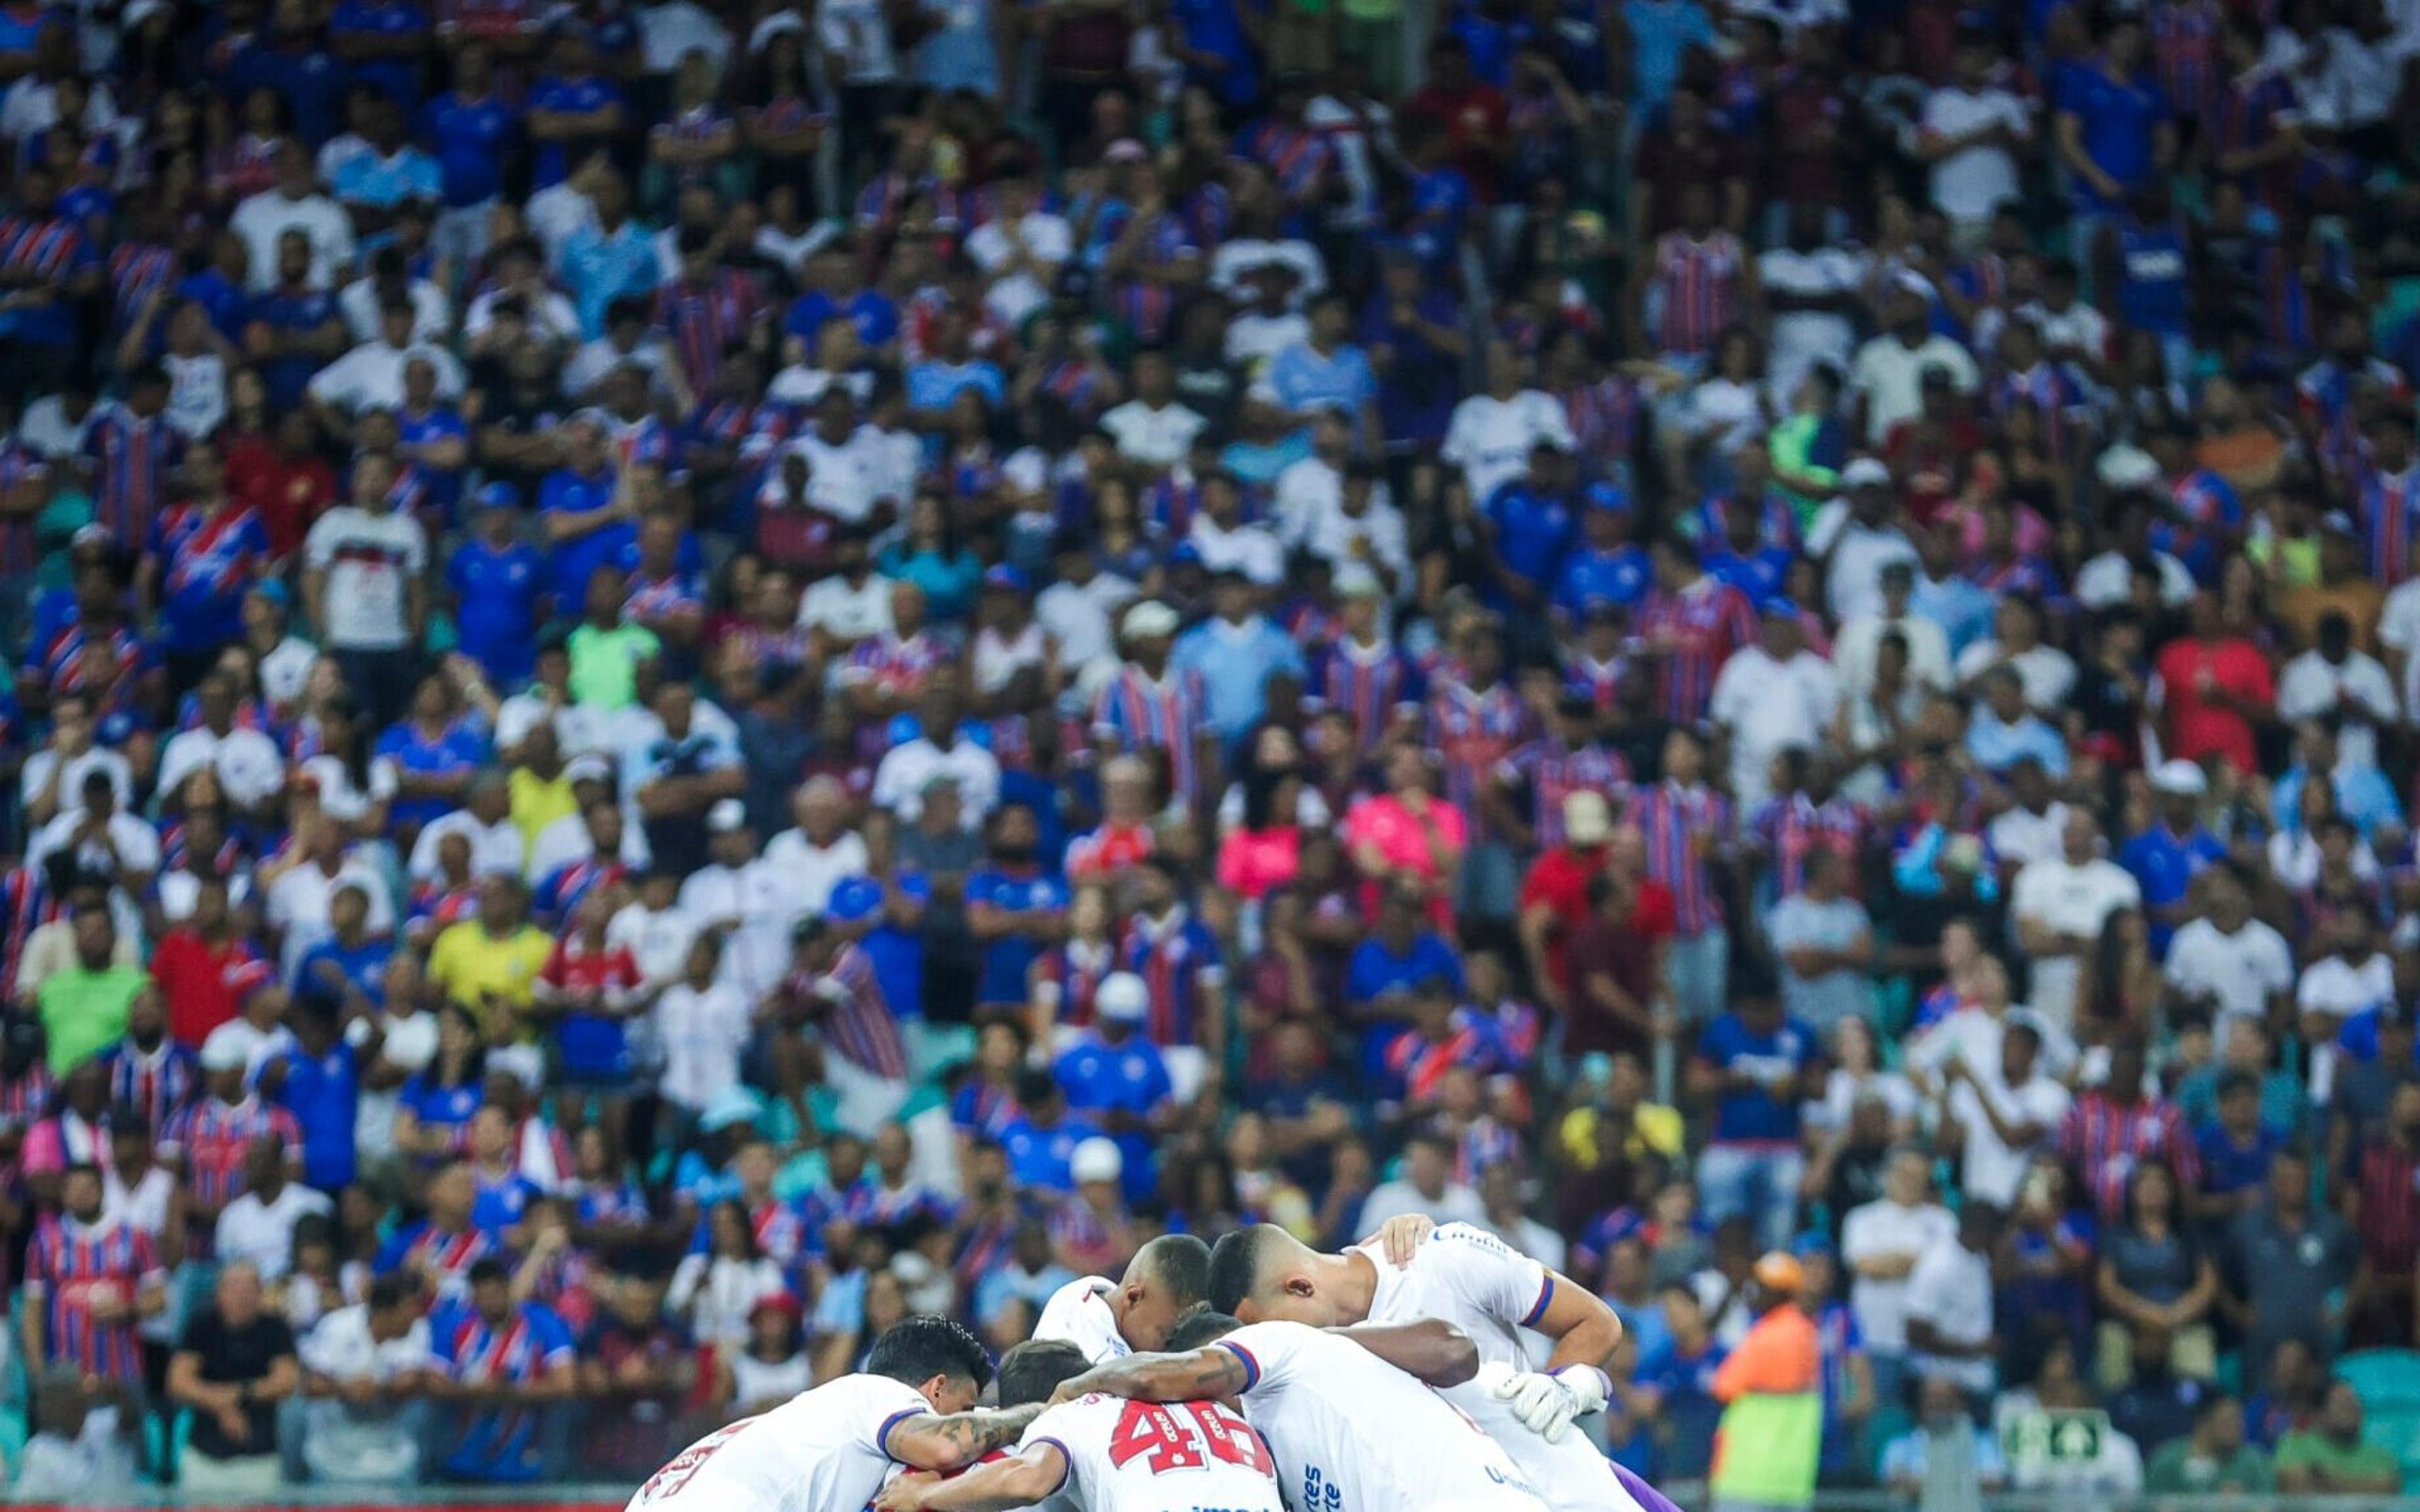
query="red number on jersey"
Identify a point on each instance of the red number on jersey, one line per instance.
(1185, 1438)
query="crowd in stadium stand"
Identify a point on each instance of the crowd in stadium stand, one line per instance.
(692, 676)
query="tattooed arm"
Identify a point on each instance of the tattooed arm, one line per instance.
(1431, 1350)
(1210, 1373)
(1027, 1479)
(929, 1441)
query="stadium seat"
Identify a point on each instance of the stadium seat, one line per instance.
(2384, 1379)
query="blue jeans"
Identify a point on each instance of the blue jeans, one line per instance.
(1757, 1180)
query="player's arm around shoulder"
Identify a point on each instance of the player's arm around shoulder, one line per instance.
(1214, 1372)
(1431, 1350)
(1026, 1478)
(951, 1442)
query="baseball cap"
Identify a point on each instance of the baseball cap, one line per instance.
(852, 899)
(1123, 996)
(1148, 619)
(726, 816)
(1865, 472)
(1096, 1159)
(2179, 775)
(1588, 818)
(227, 1048)
(497, 496)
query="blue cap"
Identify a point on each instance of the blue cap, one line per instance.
(275, 591)
(1812, 1243)
(1006, 578)
(1781, 606)
(853, 899)
(903, 729)
(1611, 496)
(497, 496)
(1183, 554)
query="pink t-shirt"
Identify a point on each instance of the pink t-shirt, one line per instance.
(1402, 839)
(1254, 864)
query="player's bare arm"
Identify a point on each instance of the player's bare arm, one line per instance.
(1575, 1380)
(1210, 1373)
(1431, 1350)
(952, 1442)
(1022, 1481)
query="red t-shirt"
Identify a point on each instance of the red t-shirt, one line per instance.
(1560, 880)
(288, 495)
(1627, 953)
(2199, 727)
(202, 987)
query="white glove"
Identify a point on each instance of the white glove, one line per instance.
(1588, 1388)
(1544, 1405)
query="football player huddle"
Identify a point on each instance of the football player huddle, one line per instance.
(1428, 1369)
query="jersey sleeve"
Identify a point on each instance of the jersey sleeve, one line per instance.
(1489, 1274)
(1269, 1351)
(880, 1405)
(1079, 1314)
(1062, 1427)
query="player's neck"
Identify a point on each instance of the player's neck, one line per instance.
(1356, 1284)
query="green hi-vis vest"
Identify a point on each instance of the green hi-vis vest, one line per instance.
(1768, 1448)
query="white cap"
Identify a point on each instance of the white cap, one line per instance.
(1149, 617)
(2126, 467)
(591, 767)
(1588, 818)
(726, 816)
(2179, 775)
(228, 1047)
(1097, 1160)
(1865, 472)
(1122, 995)
(1354, 581)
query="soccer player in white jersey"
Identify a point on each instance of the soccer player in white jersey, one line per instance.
(1103, 1454)
(831, 1449)
(1349, 1431)
(1472, 1279)
(1166, 1279)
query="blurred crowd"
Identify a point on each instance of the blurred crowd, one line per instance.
(692, 675)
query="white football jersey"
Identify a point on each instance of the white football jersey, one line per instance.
(819, 1452)
(1143, 1456)
(1352, 1433)
(1473, 1279)
(1079, 1314)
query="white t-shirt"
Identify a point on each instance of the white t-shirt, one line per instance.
(702, 1035)
(1770, 706)
(2047, 672)
(1951, 1290)
(815, 870)
(1250, 549)
(298, 905)
(1158, 438)
(1047, 239)
(813, 1454)
(248, 763)
(1802, 338)
(1970, 184)
(1889, 377)
(1334, 1413)
(496, 850)
(2240, 970)
(2022, 837)
(1471, 1278)
(1853, 580)
(1141, 1456)
(657, 939)
(1490, 439)
(2310, 685)
(899, 781)
(1079, 1314)
(369, 560)
(2107, 579)
(1994, 1168)
(847, 612)
(1884, 1227)
(263, 1232)
(2070, 900)
(263, 220)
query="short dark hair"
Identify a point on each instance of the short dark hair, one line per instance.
(1195, 1330)
(916, 1350)
(1035, 1369)
(1181, 1264)
(488, 1268)
(1236, 1267)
